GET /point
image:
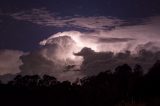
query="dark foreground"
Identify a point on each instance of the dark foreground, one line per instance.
(124, 87)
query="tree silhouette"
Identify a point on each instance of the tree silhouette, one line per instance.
(124, 86)
(48, 81)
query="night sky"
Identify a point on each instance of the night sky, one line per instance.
(45, 36)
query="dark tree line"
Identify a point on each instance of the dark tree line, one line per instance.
(123, 87)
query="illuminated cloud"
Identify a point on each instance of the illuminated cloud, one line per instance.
(53, 58)
(103, 50)
(94, 40)
(57, 58)
(91, 53)
(73, 54)
(10, 62)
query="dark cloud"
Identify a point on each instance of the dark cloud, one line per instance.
(44, 17)
(100, 39)
(7, 77)
(35, 63)
(150, 46)
(9, 61)
(114, 40)
(95, 62)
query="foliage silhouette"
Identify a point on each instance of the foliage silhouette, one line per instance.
(123, 87)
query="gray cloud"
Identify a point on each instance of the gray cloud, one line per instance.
(44, 17)
(114, 40)
(149, 46)
(9, 61)
(95, 62)
(99, 39)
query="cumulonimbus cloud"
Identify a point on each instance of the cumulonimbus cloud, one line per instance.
(53, 58)
(71, 54)
(87, 55)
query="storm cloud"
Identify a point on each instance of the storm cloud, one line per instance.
(73, 55)
(10, 62)
(70, 55)
(96, 62)
(53, 58)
